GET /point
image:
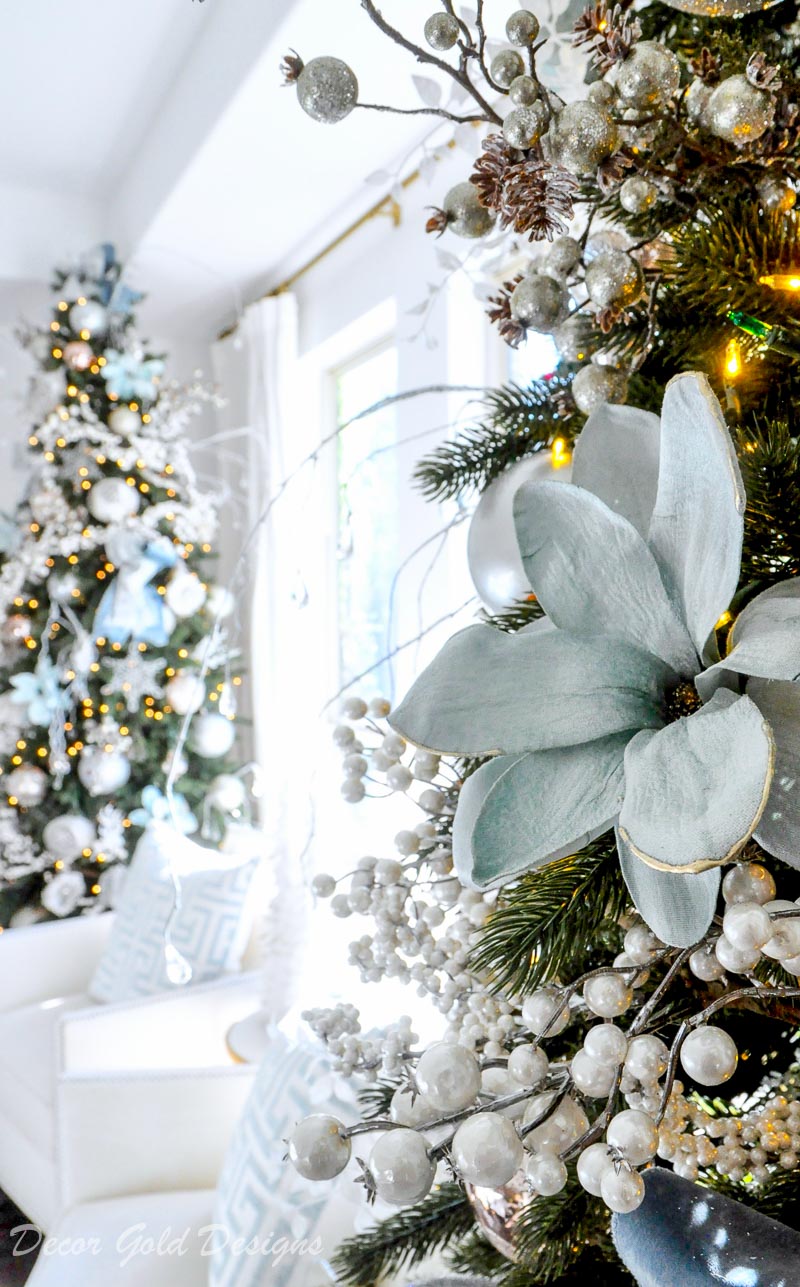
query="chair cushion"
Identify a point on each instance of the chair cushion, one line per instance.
(210, 928)
(148, 1240)
(262, 1201)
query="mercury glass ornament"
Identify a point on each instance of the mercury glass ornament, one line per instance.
(709, 1056)
(695, 103)
(27, 785)
(649, 75)
(602, 93)
(523, 91)
(614, 280)
(89, 316)
(441, 31)
(637, 194)
(466, 217)
(498, 1210)
(522, 27)
(505, 67)
(317, 1148)
(540, 303)
(738, 112)
(111, 500)
(582, 136)
(594, 385)
(400, 1167)
(486, 1150)
(776, 195)
(327, 90)
(78, 355)
(524, 126)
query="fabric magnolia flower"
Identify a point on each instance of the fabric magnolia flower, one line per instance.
(615, 709)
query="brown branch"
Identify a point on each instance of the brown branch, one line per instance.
(420, 111)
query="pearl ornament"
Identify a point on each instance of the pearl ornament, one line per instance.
(547, 1173)
(441, 31)
(735, 959)
(608, 995)
(327, 90)
(400, 1167)
(528, 1065)
(399, 778)
(590, 1077)
(466, 217)
(634, 1133)
(410, 1109)
(487, 1150)
(323, 885)
(354, 708)
(317, 1148)
(784, 940)
(449, 1076)
(593, 1163)
(709, 1056)
(747, 926)
(647, 1057)
(606, 1044)
(622, 1190)
(705, 965)
(542, 1007)
(748, 882)
(353, 790)
(563, 1127)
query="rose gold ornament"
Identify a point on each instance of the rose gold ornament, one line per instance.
(498, 1210)
(15, 628)
(78, 355)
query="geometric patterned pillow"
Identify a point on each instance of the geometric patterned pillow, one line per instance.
(272, 1227)
(210, 930)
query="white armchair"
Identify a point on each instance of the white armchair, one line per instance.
(97, 1101)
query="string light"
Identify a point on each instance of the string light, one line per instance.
(781, 281)
(560, 454)
(733, 360)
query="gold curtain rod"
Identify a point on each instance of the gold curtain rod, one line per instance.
(386, 206)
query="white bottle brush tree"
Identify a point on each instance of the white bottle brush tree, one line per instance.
(112, 628)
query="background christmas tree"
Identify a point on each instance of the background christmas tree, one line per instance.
(681, 162)
(113, 628)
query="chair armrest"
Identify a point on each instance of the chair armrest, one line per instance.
(146, 1132)
(51, 959)
(182, 1029)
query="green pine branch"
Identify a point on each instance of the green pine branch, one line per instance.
(405, 1239)
(547, 924)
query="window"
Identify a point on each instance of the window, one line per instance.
(535, 357)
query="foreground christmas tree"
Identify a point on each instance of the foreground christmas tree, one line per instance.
(601, 900)
(112, 633)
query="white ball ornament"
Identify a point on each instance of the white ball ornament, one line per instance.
(608, 995)
(547, 1174)
(212, 735)
(622, 1190)
(590, 1077)
(528, 1065)
(544, 1009)
(784, 940)
(747, 926)
(409, 1109)
(487, 1150)
(634, 1133)
(565, 1124)
(640, 944)
(593, 1163)
(449, 1076)
(124, 420)
(103, 772)
(748, 882)
(606, 1044)
(185, 692)
(185, 594)
(317, 1148)
(111, 500)
(27, 785)
(62, 895)
(67, 836)
(497, 1083)
(735, 959)
(709, 1056)
(323, 885)
(400, 1167)
(705, 965)
(227, 792)
(89, 316)
(647, 1057)
(399, 778)
(495, 563)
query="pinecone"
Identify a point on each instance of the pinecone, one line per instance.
(612, 171)
(291, 67)
(611, 31)
(763, 75)
(537, 199)
(512, 331)
(706, 67)
(438, 221)
(491, 170)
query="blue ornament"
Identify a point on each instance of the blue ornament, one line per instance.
(155, 807)
(130, 377)
(40, 692)
(131, 608)
(122, 300)
(684, 1235)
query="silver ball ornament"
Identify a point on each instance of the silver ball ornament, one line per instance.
(466, 217)
(103, 772)
(67, 836)
(327, 90)
(540, 303)
(614, 280)
(776, 195)
(649, 75)
(695, 103)
(495, 563)
(524, 126)
(227, 792)
(111, 500)
(602, 93)
(78, 355)
(522, 27)
(562, 257)
(637, 194)
(738, 112)
(575, 339)
(523, 91)
(442, 31)
(185, 693)
(505, 67)
(594, 385)
(124, 420)
(89, 316)
(212, 735)
(582, 136)
(27, 785)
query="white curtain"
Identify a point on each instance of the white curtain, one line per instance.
(261, 442)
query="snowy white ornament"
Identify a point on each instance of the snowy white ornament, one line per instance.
(634, 1134)
(227, 792)
(565, 1124)
(212, 735)
(67, 836)
(593, 1163)
(220, 602)
(63, 893)
(27, 785)
(103, 772)
(547, 1173)
(748, 882)
(495, 563)
(487, 1150)
(449, 1076)
(124, 420)
(544, 1009)
(112, 500)
(185, 692)
(528, 1065)
(185, 594)
(400, 1167)
(89, 316)
(622, 1190)
(317, 1148)
(709, 1056)
(608, 995)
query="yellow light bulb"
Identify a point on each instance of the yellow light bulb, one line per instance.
(733, 360)
(781, 281)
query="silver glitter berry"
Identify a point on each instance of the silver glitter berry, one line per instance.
(562, 256)
(650, 74)
(505, 67)
(738, 112)
(574, 339)
(637, 194)
(466, 217)
(524, 126)
(523, 91)
(441, 31)
(522, 27)
(583, 135)
(327, 90)
(776, 195)
(695, 103)
(594, 385)
(539, 303)
(718, 8)
(614, 280)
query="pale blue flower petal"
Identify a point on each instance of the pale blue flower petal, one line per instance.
(519, 813)
(616, 457)
(593, 573)
(779, 829)
(695, 791)
(697, 524)
(678, 906)
(765, 638)
(489, 693)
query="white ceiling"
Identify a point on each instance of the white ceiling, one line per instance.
(162, 125)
